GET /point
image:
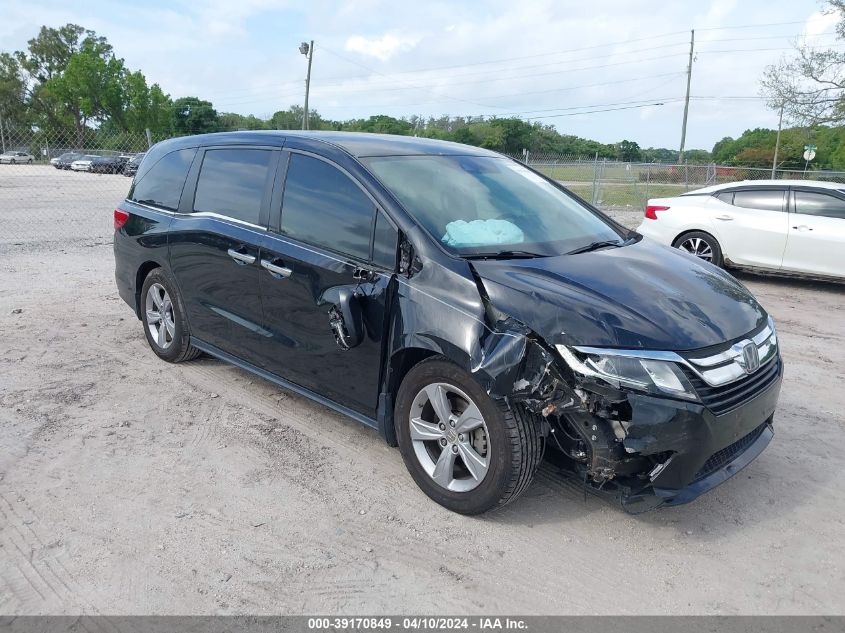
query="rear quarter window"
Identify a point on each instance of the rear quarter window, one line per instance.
(161, 184)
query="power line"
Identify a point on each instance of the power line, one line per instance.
(409, 85)
(750, 26)
(344, 79)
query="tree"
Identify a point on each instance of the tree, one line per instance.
(57, 102)
(810, 85)
(144, 107)
(13, 90)
(91, 87)
(192, 115)
(628, 151)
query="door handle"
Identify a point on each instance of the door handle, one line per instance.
(276, 270)
(241, 258)
(724, 217)
(803, 227)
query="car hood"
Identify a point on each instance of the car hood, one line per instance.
(641, 296)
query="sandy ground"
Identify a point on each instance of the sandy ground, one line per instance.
(130, 486)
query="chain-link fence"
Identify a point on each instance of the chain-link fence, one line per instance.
(63, 187)
(619, 185)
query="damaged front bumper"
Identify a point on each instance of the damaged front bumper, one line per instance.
(646, 451)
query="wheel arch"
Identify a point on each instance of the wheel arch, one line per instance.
(143, 270)
(398, 366)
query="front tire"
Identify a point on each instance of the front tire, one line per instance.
(702, 245)
(163, 315)
(465, 451)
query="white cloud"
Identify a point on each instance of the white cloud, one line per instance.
(383, 47)
(819, 23)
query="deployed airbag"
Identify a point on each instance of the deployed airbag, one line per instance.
(482, 233)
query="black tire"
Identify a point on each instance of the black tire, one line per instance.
(712, 243)
(515, 445)
(179, 348)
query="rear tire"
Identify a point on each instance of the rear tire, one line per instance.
(492, 461)
(701, 245)
(164, 317)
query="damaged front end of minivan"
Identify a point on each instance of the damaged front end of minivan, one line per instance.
(643, 447)
(643, 450)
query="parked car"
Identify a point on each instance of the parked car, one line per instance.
(64, 161)
(473, 311)
(83, 163)
(131, 167)
(109, 164)
(16, 157)
(782, 226)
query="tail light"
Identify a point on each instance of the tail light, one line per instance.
(651, 211)
(120, 218)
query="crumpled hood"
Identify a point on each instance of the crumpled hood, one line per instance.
(641, 296)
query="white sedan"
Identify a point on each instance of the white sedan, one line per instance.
(83, 164)
(788, 226)
(16, 157)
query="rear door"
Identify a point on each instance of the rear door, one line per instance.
(215, 242)
(816, 243)
(752, 225)
(329, 237)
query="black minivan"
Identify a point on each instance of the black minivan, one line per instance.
(473, 311)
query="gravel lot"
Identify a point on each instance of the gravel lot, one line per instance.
(130, 486)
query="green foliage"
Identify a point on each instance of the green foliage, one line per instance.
(756, 148)
(628, 151)
(192, 115)
(13, 92)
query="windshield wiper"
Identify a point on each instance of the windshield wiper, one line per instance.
(593, 246)
(504, 255)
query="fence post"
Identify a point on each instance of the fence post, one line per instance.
(647, 182)
(595, 177)
(2, 136)
(149, 137)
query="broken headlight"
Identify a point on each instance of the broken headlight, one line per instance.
(652, 372)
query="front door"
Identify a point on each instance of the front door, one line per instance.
(320, 249)
(752, 226)
(215, 246)
(816, 243)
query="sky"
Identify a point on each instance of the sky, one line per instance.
(593, 69)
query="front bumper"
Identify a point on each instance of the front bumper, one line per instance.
(703, 449)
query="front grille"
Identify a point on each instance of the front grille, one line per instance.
(727, 454)
(734, 394)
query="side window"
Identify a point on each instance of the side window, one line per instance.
(385, 242)
(162, 183)
(232, 183)
(813, 203)
(726, 196)
(763, 199)
(323, 206)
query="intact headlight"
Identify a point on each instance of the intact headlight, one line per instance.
(622, 368)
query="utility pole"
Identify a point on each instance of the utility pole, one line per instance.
(308, 50)
(777, 141)
(686, 102)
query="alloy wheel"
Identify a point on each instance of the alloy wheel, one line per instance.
(161, 322)
(449, 437)
(698, 247)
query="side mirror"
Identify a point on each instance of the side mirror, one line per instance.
(345, 316)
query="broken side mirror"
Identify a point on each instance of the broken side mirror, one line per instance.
(345, 316)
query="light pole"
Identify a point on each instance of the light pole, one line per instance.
(308, 50)
(777, 141)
